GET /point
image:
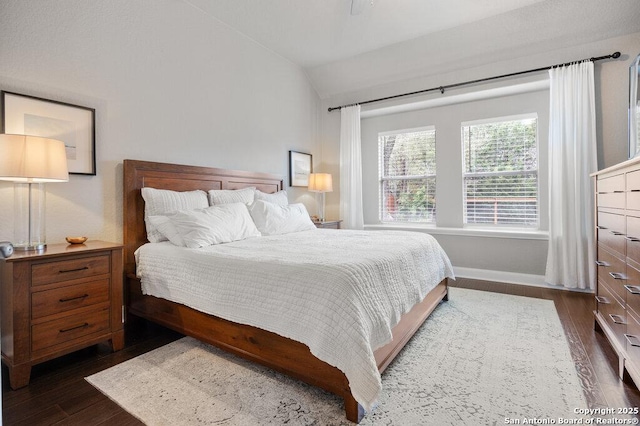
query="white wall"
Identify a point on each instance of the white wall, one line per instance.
(507, 257)
(169, 83)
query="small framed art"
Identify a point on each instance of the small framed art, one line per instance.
(72, 124)
(299, 168)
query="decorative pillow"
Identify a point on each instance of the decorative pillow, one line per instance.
(213, 225)
(165, 227)
(279, 198)
(164, 202)
(272, 219)
(226, 196)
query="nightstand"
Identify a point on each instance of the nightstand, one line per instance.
(329, 224)
(59, 300)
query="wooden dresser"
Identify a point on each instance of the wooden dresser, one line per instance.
(57, 301)
(618, 261)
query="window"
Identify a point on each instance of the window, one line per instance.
(501, 171)
(407, 161)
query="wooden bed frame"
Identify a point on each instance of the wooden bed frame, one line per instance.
(282, 354)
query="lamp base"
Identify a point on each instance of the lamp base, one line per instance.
(32, 247)
(29, 222)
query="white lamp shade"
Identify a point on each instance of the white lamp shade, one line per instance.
(26, 158)
(320, 182)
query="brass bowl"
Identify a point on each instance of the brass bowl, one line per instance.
(76, 240)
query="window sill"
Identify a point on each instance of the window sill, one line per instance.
(512, 233)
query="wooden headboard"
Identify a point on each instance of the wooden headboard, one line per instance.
(139, 174)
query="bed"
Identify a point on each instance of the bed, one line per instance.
(287, 355)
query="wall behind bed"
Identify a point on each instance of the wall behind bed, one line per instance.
(169, 83)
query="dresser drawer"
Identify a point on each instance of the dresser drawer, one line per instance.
(611, 183)
(613, 313)
(633, 181)
(49, 302)
(632, 287)
(633, 238)
(611, 191)
(632, 339)
(65, 270)
(611, 231)
(612, 271)
(57, 332)
(633, 190)
(614, 200)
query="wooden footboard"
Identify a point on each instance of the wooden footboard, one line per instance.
(272, 350)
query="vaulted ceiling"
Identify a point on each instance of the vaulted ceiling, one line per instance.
(330, 41)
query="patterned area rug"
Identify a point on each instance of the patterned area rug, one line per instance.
(480, 359)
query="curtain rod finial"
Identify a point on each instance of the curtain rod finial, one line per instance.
(615, 55)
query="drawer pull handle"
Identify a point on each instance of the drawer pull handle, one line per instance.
(617, 319)
(635, 190)
(616, 275)
(633, 340)
(86, 324)
(616, 233)
(74, 298)
(633, 239)
(601, 227)
(601, 263)
(602, 300)
(633, 289)
(64, 271)
(618, 192)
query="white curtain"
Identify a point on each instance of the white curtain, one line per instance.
(350, 168)
(572, 157)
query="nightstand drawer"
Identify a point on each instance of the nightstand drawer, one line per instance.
(45, 303)
(65, 270)
(65, 329)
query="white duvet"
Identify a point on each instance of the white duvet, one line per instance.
(337, 291)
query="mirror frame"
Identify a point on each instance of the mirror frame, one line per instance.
(634, 108)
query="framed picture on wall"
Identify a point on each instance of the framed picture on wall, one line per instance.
(299, 168)
(72, 124)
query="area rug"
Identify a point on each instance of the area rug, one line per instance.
(480, 359)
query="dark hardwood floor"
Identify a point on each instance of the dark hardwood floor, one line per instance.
(58, 393)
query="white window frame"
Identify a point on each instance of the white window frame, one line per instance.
(382, 179)
(465, 175)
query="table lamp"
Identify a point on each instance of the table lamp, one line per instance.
(321, 182)
(30, 162)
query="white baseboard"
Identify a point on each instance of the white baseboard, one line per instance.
(509, 277)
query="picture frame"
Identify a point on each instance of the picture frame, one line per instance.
(300, 166)
(72, 124)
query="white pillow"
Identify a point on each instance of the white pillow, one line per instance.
(226, 196)
(214, 225)
(169, 232)
(272, 219)
(165, 202)
(279, 198)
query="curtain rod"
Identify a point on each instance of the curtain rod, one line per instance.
(614, 55)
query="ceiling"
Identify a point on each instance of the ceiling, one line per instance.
(315, 32)
(330, 43)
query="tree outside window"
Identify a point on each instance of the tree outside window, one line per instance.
(501, 171)
(408, 175)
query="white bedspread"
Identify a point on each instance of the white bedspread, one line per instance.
(339, 292)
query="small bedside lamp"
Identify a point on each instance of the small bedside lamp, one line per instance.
(30, 162)
(321, 182)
